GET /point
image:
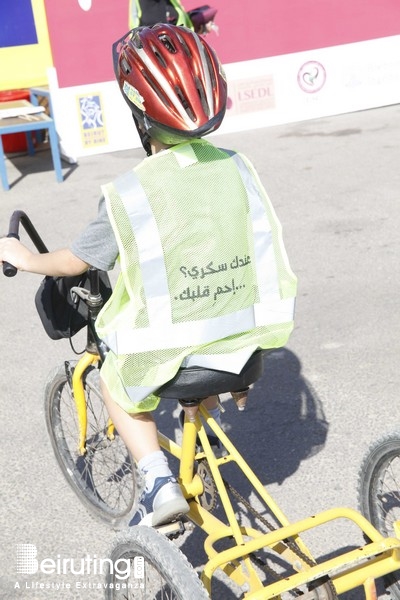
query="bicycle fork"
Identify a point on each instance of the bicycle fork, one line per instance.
(76, 378)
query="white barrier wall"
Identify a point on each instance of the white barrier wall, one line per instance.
(94, 118)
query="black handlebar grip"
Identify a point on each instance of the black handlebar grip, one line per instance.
(94, 281)
(10, 270)
(18, 217)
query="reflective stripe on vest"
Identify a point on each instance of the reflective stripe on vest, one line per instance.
(268, 287)
(162, 333)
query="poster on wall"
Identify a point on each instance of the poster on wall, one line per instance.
(18, 27)
(92, 125)
(25, 53)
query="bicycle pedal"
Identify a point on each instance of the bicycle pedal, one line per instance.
(172, 530)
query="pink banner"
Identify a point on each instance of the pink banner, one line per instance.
(81, 38)
(264, 28)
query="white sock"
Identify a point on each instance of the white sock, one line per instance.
(152, 466)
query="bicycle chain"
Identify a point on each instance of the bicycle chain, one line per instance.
(291, 544)
(210, 504)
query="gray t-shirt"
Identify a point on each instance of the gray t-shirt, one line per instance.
(96, 245)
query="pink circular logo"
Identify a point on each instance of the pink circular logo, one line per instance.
(311, 77)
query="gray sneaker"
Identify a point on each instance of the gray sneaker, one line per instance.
(162, 505)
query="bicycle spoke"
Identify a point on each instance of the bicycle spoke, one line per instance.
(102, 477)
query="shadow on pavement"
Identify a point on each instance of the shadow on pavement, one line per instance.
(284, 419)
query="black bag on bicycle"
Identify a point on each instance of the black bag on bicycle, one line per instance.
(61, 313)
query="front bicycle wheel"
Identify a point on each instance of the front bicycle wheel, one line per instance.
(379, 492)
(104, 478)
(145, 565)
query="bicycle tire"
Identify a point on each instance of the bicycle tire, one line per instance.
(104, 478)
(379, 492)
(166, 572)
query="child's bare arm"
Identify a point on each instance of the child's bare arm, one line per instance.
(59, 262)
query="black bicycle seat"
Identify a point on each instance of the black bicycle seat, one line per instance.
(199, 382)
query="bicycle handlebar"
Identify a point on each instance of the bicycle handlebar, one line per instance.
(19, 216)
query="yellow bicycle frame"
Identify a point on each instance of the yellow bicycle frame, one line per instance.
(352, 569)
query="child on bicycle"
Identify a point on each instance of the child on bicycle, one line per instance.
(151, 12)
(204, 277)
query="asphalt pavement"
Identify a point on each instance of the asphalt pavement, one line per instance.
(335, 184)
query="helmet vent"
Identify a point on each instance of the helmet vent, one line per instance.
(202, 95)
(211, 71)
(136, 41)
(156, 88)
(185, 46)
(159, 57)
(125, 66)
(166, 40)
(185, 103)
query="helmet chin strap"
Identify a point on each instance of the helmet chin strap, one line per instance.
(144, 137)
(146, 143)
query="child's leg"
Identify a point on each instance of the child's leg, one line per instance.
(212, 405)
(162, 499)
(138, 430)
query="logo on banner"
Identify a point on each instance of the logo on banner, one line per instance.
(251, 95)
(93, 130)
(311, 77)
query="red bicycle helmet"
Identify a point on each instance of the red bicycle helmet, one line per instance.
(172, 81)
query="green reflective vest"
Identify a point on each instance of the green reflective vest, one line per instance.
(204, 274)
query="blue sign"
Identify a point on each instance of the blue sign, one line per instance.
(17, 24)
